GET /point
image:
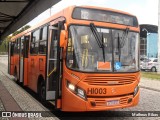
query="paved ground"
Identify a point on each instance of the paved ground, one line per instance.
(4, 59)
(150, 84)
(149, 101)
(15, 98)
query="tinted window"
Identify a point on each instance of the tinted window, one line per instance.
(35, 42)
(155, 60)
(43, 40)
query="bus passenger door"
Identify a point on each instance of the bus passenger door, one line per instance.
(52, 66)
(53, 83)
(21, 59)
(25, 61)
(10, 58)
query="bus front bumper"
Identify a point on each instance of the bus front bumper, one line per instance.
(102, 104)
(76, 104)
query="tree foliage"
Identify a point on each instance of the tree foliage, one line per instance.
(4, 43)
(21, 30)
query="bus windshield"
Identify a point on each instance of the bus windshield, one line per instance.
(84, 53)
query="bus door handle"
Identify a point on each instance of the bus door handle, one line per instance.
(40, 59)
(41, 64)
(32, 62)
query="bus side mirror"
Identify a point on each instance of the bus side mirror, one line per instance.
(63, 37)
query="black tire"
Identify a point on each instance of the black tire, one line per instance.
(42, 92)
(16, 76)
(153, 69)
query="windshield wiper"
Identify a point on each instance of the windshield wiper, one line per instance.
(121, 42)
(96, 35)
(119, 48)
(124, 37)
(100, 40)
(103, 47)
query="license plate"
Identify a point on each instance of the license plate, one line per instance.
(112, 102)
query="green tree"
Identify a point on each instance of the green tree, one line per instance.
(21, 30)
(4, 43)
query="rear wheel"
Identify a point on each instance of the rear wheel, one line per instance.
(16, 76)
(42, 91)
(153, 69)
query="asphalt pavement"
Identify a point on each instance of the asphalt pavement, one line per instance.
(149, 101)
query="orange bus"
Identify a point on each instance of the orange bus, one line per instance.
(83, 58)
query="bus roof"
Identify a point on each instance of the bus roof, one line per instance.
(67, 15)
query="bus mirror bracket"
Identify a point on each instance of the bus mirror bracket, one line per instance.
(63, 37)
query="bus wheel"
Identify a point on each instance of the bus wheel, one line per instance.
(16, 76)
(153, 69)
(42, 92)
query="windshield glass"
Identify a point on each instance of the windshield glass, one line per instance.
(120, 52)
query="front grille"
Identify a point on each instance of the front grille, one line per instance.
(102, 102)
(109, 80)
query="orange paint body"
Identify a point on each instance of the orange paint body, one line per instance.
(35, 66)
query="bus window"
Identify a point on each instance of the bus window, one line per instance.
(12, 49)
(15, 48)
(83, 51)
(43, 40)
(125, 50)
(22, 46)
(18, 45)
(35, 42)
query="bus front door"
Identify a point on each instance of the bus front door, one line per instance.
(52, 66)
(53, 81)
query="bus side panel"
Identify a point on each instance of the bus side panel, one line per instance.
(36, 67)
(25, 72)
(42, 65)
(33, 72)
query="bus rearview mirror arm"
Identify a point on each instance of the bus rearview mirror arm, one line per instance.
(63, 37)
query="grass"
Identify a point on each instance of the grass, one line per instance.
(151, 75)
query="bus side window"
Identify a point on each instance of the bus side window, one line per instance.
(43, 40)
(35, 42)
(18, 45)
(15, 47)
(22, 46)
(12, 48)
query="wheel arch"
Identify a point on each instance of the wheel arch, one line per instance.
(154, 67)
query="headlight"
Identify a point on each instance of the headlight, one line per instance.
(71, 86)
(136, 90)
(76, 90)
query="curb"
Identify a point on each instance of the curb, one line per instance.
(149, 88)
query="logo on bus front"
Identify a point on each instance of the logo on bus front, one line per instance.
(96, 91)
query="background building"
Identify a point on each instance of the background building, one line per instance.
(149, 40)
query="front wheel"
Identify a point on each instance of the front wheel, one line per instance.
(153, 69)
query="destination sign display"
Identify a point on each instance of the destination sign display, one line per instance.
(104, 16)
